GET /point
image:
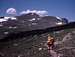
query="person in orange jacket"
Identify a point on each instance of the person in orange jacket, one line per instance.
(50, 42)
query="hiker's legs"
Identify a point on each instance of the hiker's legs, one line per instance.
(53, 53)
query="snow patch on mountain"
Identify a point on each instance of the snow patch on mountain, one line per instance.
(58, 18)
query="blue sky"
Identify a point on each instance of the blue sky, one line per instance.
(62, 8)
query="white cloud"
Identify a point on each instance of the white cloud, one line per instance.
(11, 11)
(42, 12)
(39, 12)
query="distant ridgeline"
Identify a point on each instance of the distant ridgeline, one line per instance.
(30, 22)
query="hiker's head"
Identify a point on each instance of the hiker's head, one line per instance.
(50, 37)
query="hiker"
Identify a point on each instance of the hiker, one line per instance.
(50, 42)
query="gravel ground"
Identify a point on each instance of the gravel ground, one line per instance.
(35, 45)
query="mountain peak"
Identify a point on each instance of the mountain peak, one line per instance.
(31, 14)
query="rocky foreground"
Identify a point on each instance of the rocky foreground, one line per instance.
(35, 45)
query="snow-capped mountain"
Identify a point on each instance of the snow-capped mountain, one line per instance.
(27, 22)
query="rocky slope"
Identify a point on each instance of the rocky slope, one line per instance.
(35, 45)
